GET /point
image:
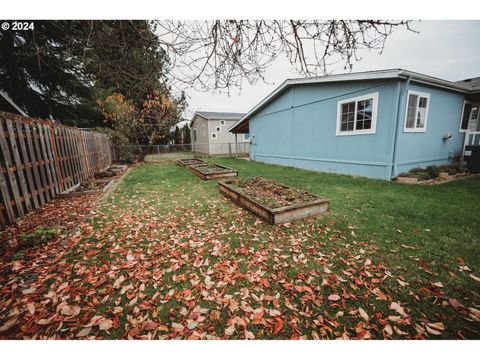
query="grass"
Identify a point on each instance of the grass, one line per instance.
(168, 156)
(197, 266)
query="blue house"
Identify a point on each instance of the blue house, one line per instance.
(376, 124)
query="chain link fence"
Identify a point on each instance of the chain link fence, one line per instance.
(131, 153)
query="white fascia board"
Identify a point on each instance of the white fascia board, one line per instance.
(433, 81)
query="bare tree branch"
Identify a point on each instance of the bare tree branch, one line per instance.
(218, 55)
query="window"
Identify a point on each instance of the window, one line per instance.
(467, 108)
(218, 128)
(222, 122)
(214, 135)
(357, 115)
(474, 123)
(194, 134)
(417, 112)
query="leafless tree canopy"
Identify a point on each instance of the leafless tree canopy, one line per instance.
(216, 55)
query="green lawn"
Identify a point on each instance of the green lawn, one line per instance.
(167, 256)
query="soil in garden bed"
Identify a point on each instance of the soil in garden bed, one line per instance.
(270, 193)
(188, 162)
(211, 168)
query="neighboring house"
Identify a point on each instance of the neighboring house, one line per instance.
(8, 105)
(210, 133)
(376, 124)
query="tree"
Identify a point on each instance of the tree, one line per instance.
(121, 115)
(186, 136)
(177, 136)
(124, 57)
(40, 71)
(60, 68)
(159, 113)
(216, 55)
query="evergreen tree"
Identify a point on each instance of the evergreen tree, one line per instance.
(187, 139)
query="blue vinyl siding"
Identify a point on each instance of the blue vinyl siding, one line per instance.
(298, 128)
(429, 148)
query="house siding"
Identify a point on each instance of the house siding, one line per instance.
(428, 148)
(201, 145)
(223, 144)
(298, 128)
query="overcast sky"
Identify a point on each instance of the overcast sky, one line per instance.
(445, 49)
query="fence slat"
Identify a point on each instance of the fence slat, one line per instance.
(11, 175)
(35, 163)
(19, 166)
(40, 159)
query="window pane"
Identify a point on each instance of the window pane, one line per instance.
(348, 116)
(364, 114)
(474, 125)
(466, 116)
(411, 110)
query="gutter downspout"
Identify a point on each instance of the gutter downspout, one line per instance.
(400, 102)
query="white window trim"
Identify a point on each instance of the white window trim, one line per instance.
(373, 128)
(465, 102)
(218, 129)
(214, 135)
(419, 94)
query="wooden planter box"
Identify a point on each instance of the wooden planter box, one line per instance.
(73, 191)
(406, 180)
(188, 162)
(222, 172)
(278, 215)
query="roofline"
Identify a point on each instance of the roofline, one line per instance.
(367, 75)
(194, 115)
(11, 102)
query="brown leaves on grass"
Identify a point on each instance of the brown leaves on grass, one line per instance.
(211, 271)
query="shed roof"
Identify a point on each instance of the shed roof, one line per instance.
(213, 115)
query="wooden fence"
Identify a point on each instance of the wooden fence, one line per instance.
(40, 159)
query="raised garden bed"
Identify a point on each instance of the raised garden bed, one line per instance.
(212, 171)
(188, 162)
(274, 202)
(90, 187)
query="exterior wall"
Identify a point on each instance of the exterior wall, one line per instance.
(420, 149)
(298, 129)
(202, 144)
(224, 143)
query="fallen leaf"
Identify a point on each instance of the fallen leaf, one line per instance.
(31, 308)
(84, 332)
(334, 297)
(476, 278)
(106, 324)
(397, 307)
(7, 325)
(363, 314)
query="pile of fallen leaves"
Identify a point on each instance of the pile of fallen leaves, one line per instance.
(212, 271)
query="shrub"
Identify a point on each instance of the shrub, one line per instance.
(432, 171)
